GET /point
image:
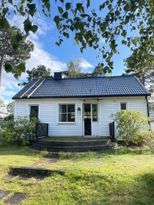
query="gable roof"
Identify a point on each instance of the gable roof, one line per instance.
(83, 87)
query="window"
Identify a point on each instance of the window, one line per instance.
(123, 106)
(34, 111)
(94, 112)
(67, 113)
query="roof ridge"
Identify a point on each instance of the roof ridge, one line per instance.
(92, 77)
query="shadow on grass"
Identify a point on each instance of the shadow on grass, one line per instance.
(27, 151)
(17, 150)
(96, 155)
(124, 190)
(143, 194)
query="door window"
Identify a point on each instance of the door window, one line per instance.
(94, 112)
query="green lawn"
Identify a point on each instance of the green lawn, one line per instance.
(90, 179)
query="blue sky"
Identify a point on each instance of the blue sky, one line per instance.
(47, 53)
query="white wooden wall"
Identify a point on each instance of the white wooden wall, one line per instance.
(49, 113)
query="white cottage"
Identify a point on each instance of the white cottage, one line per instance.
(80, 106)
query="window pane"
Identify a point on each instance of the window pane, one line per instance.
(67, 113)
(63, 117)
(71, 108)
(123, 106)
(34, 112)
(94, 112)
(71, 117)
(62, 108)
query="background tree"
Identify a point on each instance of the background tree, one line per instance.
(11, 107)
(141, 62)
(74, 69)
(2, 107)
(113, 20)
(98, 71)
(13, 54)
(38, 73)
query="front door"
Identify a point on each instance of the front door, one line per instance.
(87, 119)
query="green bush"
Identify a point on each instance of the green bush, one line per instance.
(17, 131)
(133, 128)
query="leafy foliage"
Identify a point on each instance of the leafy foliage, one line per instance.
(141, 62)
(38, 73)
(133, 128)
(11, 107)
(109, 20)
(98, 71)
(17, 131)
(14, 50)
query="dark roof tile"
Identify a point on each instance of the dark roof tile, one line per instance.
(84, 87)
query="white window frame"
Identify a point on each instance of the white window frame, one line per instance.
(67, 122)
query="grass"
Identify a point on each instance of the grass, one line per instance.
(122, 178)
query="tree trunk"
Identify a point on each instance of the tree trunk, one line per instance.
(142, 77)
(1, 66)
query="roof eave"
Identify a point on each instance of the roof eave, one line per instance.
(83, 96)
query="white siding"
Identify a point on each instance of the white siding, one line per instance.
(110, 106)
(49, 113)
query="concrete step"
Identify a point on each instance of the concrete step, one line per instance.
(88, 142)
(71, 148)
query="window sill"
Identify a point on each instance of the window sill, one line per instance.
(66, 123)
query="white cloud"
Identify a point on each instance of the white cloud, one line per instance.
(85, 64)
(42, 57)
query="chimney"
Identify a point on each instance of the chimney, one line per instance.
(57, 75)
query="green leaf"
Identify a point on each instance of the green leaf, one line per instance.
(88, 3)
(65, 15)
(124, 33)
(102, 6)
(126, 7)
(57, 20)
(8, 67)
(79, 7)
(66, 34)
(34, 28)
(124, 42)
(32, 9)
(127, 19)
(68, 6)
(27, 25)
(60, 9)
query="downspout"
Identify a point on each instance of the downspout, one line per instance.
(148, 113)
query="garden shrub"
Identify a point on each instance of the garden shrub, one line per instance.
(133, 128)
(18, 131)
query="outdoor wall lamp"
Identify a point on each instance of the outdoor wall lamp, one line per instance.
(78, 109)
